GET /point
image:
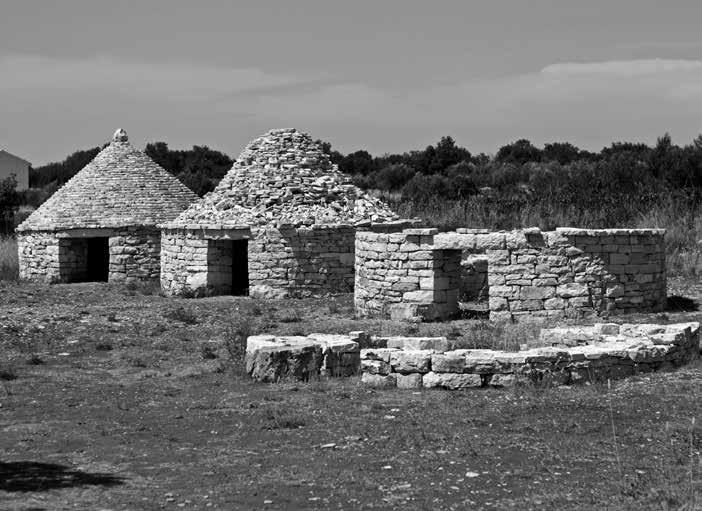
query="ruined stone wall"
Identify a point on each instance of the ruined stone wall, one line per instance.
(604, 351)
(54, 257)
(403, 275)
(564, 273)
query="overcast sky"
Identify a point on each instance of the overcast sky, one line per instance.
(382, 75)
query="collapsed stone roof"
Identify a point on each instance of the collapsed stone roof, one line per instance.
(120, 187)
(284, 178)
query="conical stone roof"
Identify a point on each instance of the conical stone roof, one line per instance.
(120, 187)
(284, 178)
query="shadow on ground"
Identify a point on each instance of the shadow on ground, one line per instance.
(681, 304)
(23, 476)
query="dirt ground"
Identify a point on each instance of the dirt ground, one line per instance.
(117, 398)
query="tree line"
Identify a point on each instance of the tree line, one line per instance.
(611, 185)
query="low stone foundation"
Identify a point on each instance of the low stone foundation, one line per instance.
(272, 359)
(573, 355)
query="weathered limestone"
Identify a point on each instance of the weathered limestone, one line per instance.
(122, 195)
(301, 216)
(604, 351)
(272, 359)
(566, 273)
(403, 276)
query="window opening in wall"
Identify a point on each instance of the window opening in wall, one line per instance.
(474, 291)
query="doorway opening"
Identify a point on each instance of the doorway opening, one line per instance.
(85, 259)
(228, 267)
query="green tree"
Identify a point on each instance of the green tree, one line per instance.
(518, 152)
(10, 201)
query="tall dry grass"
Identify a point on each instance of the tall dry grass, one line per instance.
(683, 225)
(9, 266)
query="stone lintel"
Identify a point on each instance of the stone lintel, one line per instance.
(86, 233)
(227, 234)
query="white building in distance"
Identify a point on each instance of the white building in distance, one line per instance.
(11, 164)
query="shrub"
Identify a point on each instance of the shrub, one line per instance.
(183, 315)
(7, 372)
(239, 329)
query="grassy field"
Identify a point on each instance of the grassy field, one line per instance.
(116, 398)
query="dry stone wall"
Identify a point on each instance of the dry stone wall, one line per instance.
(604, 351)
(300, 262)
(566, 273)
(61, 257)
(403, 275)
(39, 256)
(282, 262)
(135, 255)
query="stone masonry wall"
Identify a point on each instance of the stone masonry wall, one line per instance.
(403, 275)
(38, 256)
(290, 262)
(183, 262)
(54, 257)
(285, 262)
(563, 273)
(135, 254)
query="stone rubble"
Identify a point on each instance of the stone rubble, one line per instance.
(283, 178)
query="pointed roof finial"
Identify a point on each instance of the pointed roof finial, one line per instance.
(120, 136)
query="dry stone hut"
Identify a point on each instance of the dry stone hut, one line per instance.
(102, 224)
(281, 223)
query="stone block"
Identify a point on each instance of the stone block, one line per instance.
(451, 381)
(375, 367)
(450, 362)
(418, 343)
(379, 381)
(409, 381)
(276, 363)
(537, 293)
(411, 361)
(572, 290)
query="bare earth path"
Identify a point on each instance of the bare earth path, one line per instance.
(111, 399)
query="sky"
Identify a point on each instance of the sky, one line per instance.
(380, 75)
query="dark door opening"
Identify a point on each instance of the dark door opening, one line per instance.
(240, 268)
(98, 259)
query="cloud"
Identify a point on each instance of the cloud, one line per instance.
(590, 104)
(153, 80)
(623, 68)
